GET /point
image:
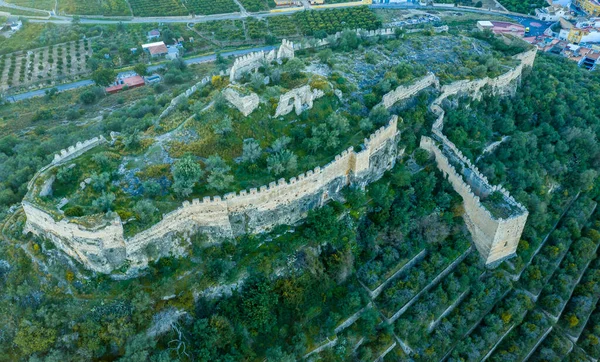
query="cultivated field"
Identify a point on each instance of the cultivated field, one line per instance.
(53, 62)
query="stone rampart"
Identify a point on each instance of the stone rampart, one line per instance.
(103, 247)
(286, 50)
(495, 238)
(407, 91)
(100, 248)
(77, 150)
(297, 99)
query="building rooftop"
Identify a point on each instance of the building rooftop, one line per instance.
(157, 48)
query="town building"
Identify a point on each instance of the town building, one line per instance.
(502, 27)
(553, 13)
(590, 60)
(590, 7)
(286, 2)
(584, 35)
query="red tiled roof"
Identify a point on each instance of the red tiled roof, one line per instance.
(135, 81)
(158, 49)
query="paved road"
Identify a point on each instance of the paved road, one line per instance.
(85, 83)
(234, 16)
(42, 92)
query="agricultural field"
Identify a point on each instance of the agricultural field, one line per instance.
(17, 12)
(206, 7)
(224, 30)
(258, 5)
(147, 8)
(309, 23)
(523, 6)
(331, 21)
(35, 4)
(94, 7)
(44, 64)
(38, 35)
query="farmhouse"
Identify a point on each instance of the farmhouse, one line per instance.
(157, 49)
(14, 23)
(126, 79)
(153, 34)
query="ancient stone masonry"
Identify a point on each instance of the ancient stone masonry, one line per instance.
(404, 92)
(245, 104)
(99, 242)
(286, 50)
(297, 99)
(496, 238)
(103, 247)
(252, 61)
(184, 96)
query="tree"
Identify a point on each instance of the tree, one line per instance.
(258, 302)
(220, 177)
(141, 69)
(281, 144)
(103, 76)
(99, 181)
(280, 162)
(186, 172)
(324, 55)
(294, 67)
(87, 97)
(257, 80)
(251, 150)
(379, 116)
(223, 126)
(145, 210)
(104, 202)
(32, 337)
(151, 188)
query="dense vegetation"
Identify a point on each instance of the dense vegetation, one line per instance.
(278, 296)
(523, 6)
(103, 7)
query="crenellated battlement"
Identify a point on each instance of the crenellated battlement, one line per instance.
(287, 201)
(495, 237)
(279, 202)
(77, 149)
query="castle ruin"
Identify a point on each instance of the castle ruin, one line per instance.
(100, 243)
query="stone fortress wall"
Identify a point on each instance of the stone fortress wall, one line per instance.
(103, 247)
(495, 238)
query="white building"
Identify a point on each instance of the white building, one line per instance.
(553, 13)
